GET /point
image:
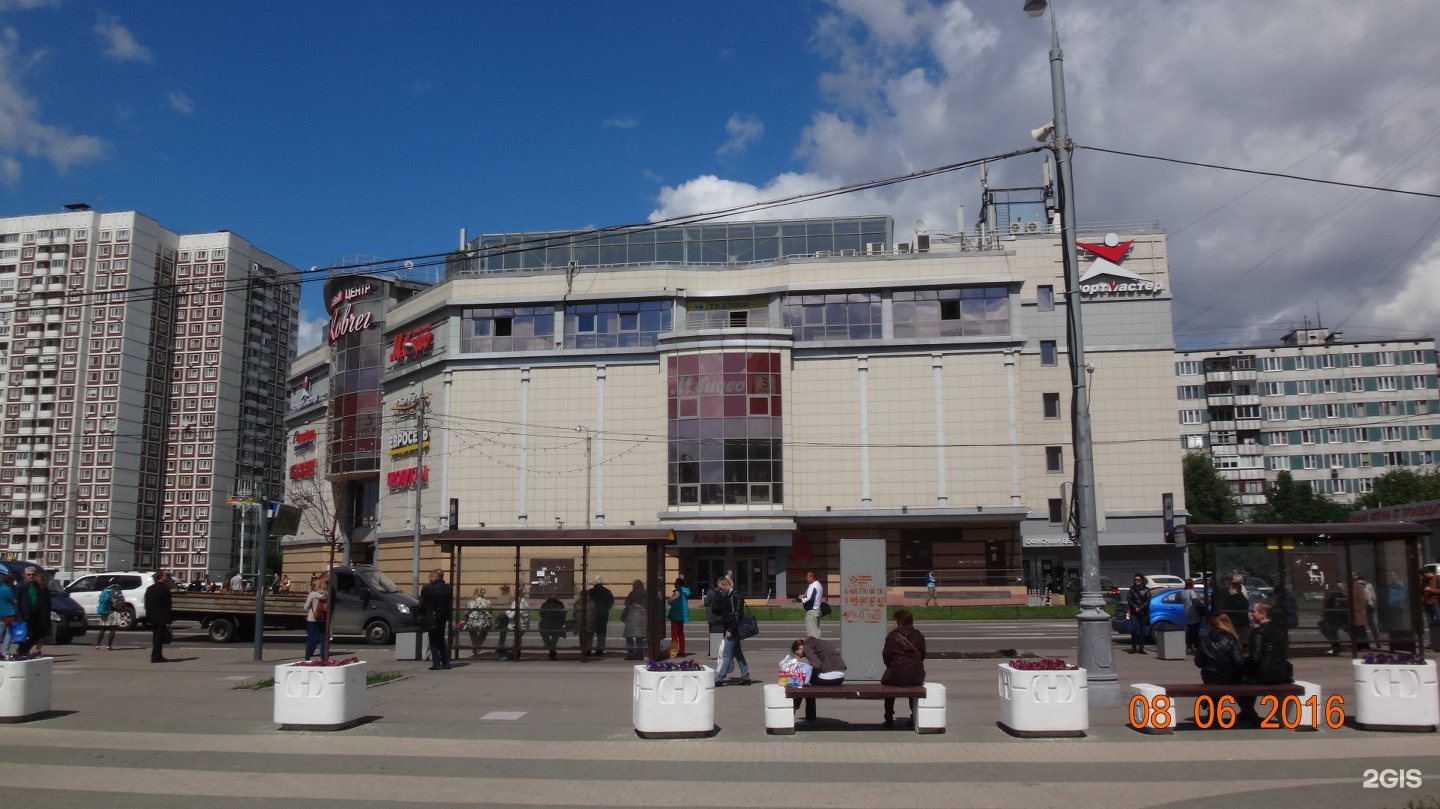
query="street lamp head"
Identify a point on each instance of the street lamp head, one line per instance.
(1035, 8)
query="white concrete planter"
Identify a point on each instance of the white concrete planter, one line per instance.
(674, 704)
(1395, 697)
(25, 688)
(319, 697)
(1044, 703)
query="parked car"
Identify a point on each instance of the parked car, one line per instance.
(1163, 582)
(1258, 589)
(1107, 589)
(86, 592)
(1167, 611)
(67, 617)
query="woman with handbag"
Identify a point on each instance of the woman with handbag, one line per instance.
(317, 611)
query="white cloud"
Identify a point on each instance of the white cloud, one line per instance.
(26, 5)
(921, 83)
(22, 133)
(621, 122)
(742, 129)
(310, 331)
(181, 103)
(120, 43)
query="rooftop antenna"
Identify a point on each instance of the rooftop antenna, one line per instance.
(1319, 324)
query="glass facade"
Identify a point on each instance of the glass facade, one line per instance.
(836, 316)
(616, 325)
(717, 243)
(357, 359)
(511, 328)
(960, 312)
(725, 429)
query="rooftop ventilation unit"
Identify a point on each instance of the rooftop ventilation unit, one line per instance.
(1015, 227)
(1032, 227)
(822, 253)
(847, 252)
(874, 248)
(902, 247)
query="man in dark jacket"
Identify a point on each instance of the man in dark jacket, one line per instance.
(1138, 600)
(1266, 663)
(601, 600)
(157, 612)
(435, 599)
(904, 658)
(729, 608)
(552, 624)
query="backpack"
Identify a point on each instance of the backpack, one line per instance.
(106, 605)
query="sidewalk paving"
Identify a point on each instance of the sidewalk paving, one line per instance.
(557, 733)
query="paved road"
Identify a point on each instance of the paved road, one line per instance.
(557, 733)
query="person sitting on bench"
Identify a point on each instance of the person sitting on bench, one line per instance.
(1218, 655)
(828, 667)
(904, 657)
(1266, 664)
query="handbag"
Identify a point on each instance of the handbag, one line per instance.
(168, 635)
(749, 627)
(20, 631)
(825, 609)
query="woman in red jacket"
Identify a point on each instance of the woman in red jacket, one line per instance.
(904, 656)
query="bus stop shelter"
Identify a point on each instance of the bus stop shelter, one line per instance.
(551, 541)
(1317, 576)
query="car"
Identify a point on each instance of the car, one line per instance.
(1107, 589)
(1167, 611)
(1163, 582)
(66, 617)
(1258, 589)
(86, 592)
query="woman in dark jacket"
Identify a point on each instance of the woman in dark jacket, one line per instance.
(1138, 599)
(904, 657)
(1219, 655)
(35, 607)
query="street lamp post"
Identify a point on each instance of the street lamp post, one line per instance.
(1093, 651)
(588, 472)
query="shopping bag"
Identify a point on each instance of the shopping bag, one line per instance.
(20, 631)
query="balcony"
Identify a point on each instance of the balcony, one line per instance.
(1251, 449)
(1247, 424)
(1220, 399)
(1247, 399)
(1219, 450)
(1222, 426)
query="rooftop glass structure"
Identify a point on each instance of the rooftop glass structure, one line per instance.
(718, 243)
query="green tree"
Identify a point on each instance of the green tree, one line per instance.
(1207, 496)
(1401, 486)
(1293, 501)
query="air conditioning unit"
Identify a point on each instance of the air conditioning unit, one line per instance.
(1015, 227)
(847, 252)
(822, 253)
(1032, 227)
(874, 248)
(902, 247)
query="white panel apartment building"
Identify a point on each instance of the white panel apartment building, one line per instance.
(144, 386)
(1334, 414)
(765, 389)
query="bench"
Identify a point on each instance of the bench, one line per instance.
(927, 703)
(1310, 717)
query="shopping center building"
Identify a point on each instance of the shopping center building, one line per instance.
(762, 390)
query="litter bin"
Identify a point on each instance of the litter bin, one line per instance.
(1170, 644)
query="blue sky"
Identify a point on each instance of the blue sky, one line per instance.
(321, 131)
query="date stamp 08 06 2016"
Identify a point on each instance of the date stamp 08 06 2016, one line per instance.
(1156, 712)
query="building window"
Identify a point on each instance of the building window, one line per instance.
(1047, 352)
(616, 325)
(1054, 459)
(835, 316)
(1189, 392)
(725, 429)
(1045, 298)
(1387, 383)
(1309, 436)
(1052, 405)
(1192, 441)
(1190, 416)
(1188, 368)
(520, 328)
(1057, 511)
(962, 312)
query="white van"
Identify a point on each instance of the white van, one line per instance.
(86, 592)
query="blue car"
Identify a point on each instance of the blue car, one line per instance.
(1167, 612)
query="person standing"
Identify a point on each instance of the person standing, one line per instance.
(1371, 606)
(583, 621)
(1234, 605)
(35, 595)
(317, 610)
(112, 601)
(814, 594)
(236, 583)
(478, 620)
(931, 582)
(435, 599)
(729, 608)
(157, 612)
(601, 601)
(904, 658)
(636, 617)
(9, 611)
(516, 619)
(1193, 615)
(679, 614)
(1359, 612)
(1138, 599)
(1430, 594)
(1334, 616)
(552, 624)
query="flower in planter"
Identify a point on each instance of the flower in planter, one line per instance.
(327, 663)
(1384, 659)
(669, 665)
(1043, 664)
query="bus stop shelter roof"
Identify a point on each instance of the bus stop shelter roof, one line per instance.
(557, 537)
(1303, 532)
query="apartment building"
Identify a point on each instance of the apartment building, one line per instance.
(763, 390)
(1333, 413)
(144, 388)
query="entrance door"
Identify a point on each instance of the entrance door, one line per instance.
(753, 577)
(708, 570)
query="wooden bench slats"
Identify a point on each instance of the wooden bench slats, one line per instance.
(1239, 690)
(848, 691)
